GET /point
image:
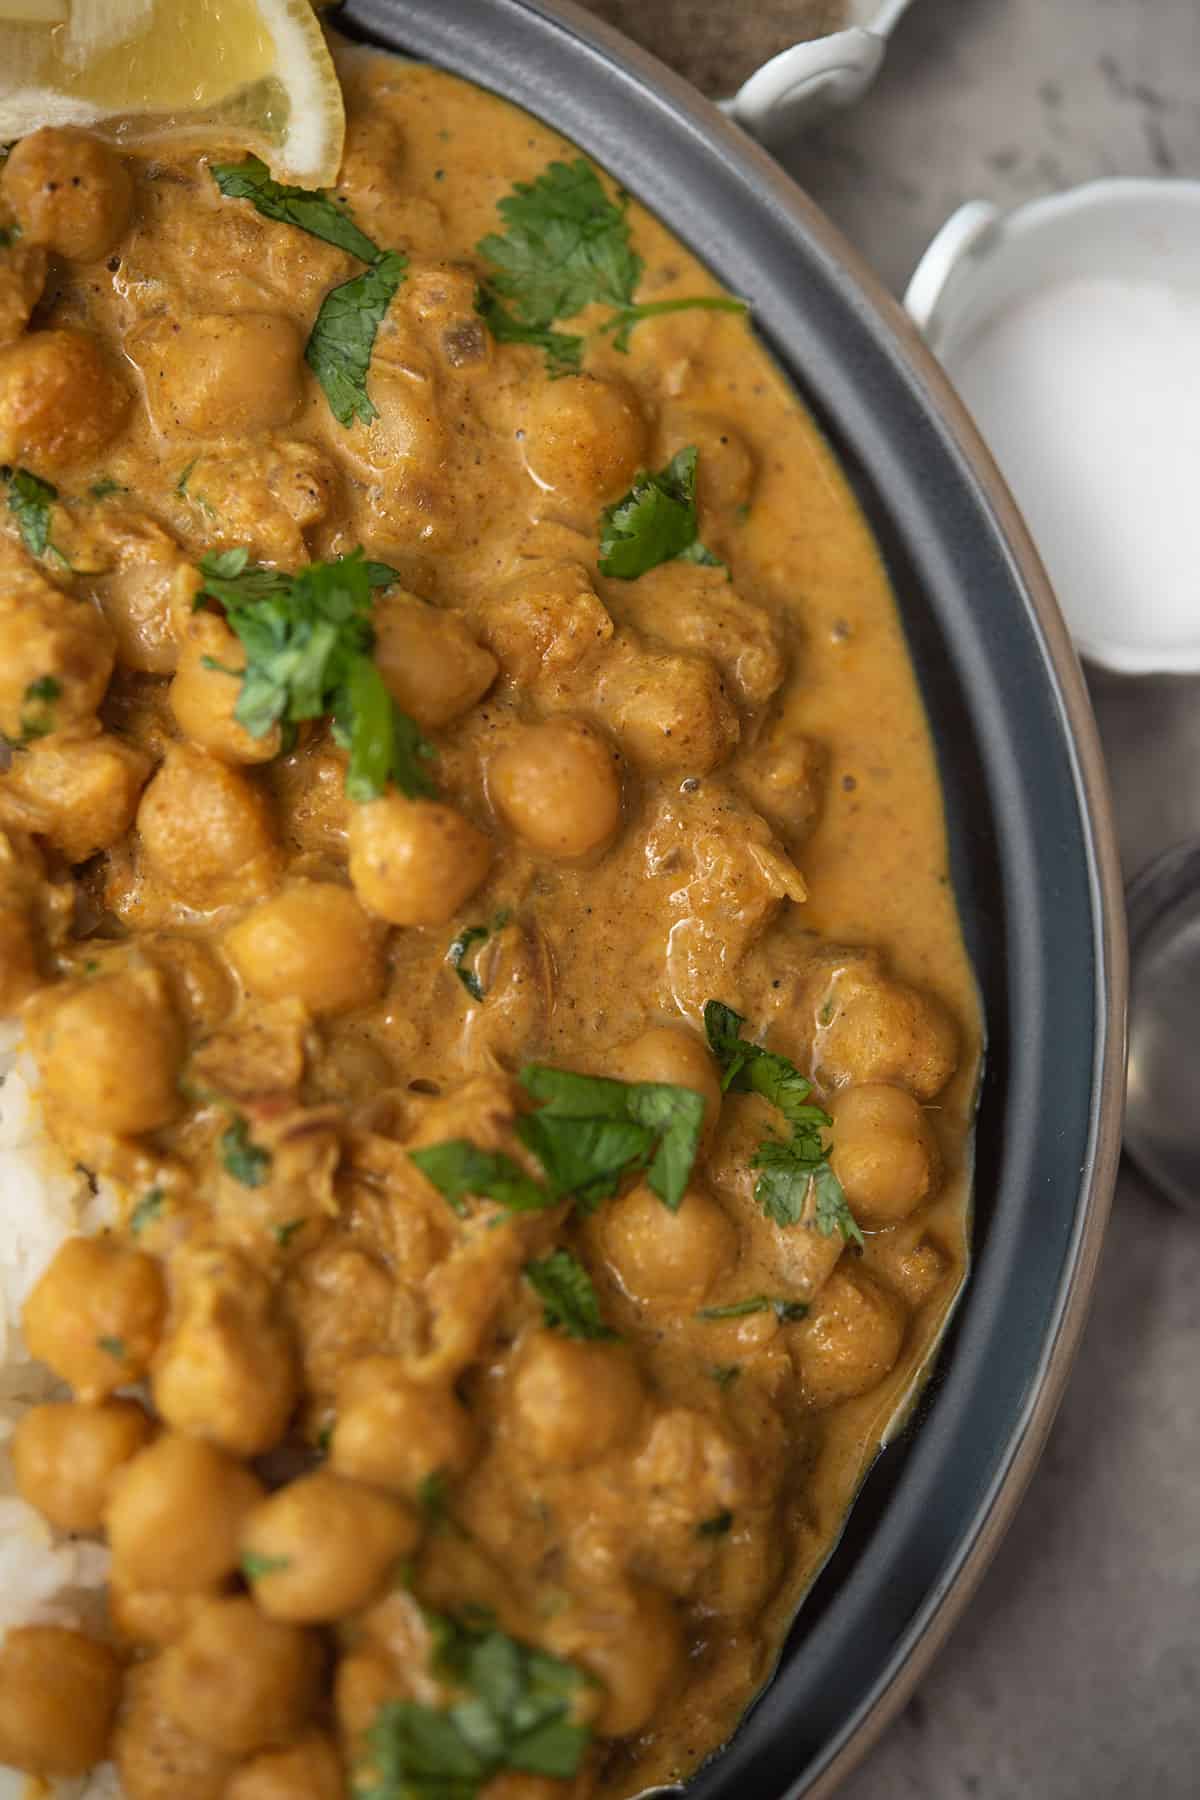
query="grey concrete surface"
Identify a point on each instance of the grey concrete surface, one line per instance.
(1075, 1674)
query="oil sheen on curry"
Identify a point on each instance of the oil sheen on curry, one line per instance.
(475, 893)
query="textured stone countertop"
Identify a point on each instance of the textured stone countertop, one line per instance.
(1075, 1673)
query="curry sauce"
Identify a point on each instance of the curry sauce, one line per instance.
(537, 1113)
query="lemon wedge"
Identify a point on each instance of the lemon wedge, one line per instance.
(250, 73)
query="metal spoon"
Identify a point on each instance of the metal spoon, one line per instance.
(1162, 1123)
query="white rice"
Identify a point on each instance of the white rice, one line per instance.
(45, 1577)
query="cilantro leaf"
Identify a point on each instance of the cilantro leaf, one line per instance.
(148, 1208)
(794, 1169)
(37, 716)
(566, 246)
(100, 490)
(112, 1346)
(657, 1123)
(308, 639)
(564, 349)
(255, 1566)
(461, 946)
(314, 211)
(513, 1711)
(655, 522)
(245, 1160)
(459, 1169)
(568, 1298)
(343, 336)
(589, 1133)
(787, 1311)
(717, 1526)
(29, 501)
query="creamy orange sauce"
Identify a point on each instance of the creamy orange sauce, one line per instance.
(781, 848)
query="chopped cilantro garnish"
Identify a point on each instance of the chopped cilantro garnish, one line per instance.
(283, 1234)
(788, 1311)
(433, 1492)
(255, 1567)
(513, 1709)
(791, 1170)
(461, 946)
(148, 1208)
(245, 1160)
(308, 639)
(569, 1302)
(112, 1346)
(563, 349)
(588, 1133)
(655, 522)
(100, 490)
(459, 1168)
(37, 716)
(566, 246)
(343, 337)
(717, 1526)
(724, 1374)
(315, 211)
(29, 501)
(343, 334)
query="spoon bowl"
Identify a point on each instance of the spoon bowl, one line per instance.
(1162, 1122)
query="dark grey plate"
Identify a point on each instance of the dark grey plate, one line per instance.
(1033, 860)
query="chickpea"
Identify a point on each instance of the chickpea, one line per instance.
(313, 942)
(175, 1514)
(60, 400)
(218, 374)
(326, 1546)
(582, 438)
(677, 1056)
(575, 1401)
(204, 696)
(365, 1680)
(65, 1457)
(432, 664)
(153, 1616)
(69, 191)
(631, 1641)
(414, 862)
(22, 278)
(668, 711)
(396, 1433)
(849, 1341)
(56, 655)
(108, 1049)
(309, 1769)
(96, 1316)
(724, 464)
(156, 1758)
(84, 791)
(657, 1254)
(885, 1031)
(147, 602)
(883, 1153)
(206, 831)
(58, 1694)
(558, 786)
(227, 1371)
(239, 1680)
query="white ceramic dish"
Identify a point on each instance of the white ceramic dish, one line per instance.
(811, 79)
(1142, 238)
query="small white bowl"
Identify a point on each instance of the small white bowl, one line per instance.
(1107, 506)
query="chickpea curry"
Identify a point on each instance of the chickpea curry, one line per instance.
(475, 892)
